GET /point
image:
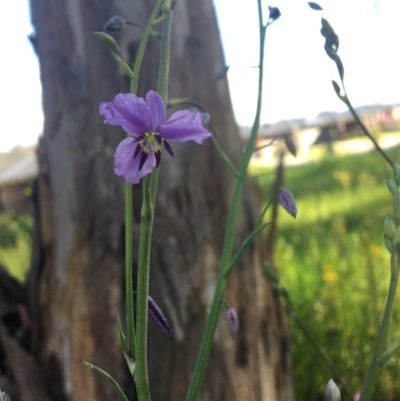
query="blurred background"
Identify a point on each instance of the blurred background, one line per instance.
(331, 258)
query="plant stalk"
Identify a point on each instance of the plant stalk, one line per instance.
(206, 344)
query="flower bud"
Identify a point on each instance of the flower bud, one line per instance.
(396, 203)
(389, 227)
(115, 24)
(396, 169)
(392, 185)
(388, 244)
(314, 6)
(396, 237)
(287, 201)
(233, 321)
(166, 7)
(158, 316)
(274, 13)
(332, 392)
(108, 40)
(221, 73)
(205, 118)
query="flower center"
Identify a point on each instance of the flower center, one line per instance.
(150, 141)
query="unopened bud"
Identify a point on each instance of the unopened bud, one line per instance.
(396, 203)
(314, 6)
(287, 201)
(392, 185)
(389, 227)
(205, 118)
(159, 318)
(396, 169)
(274, 13)
(108, 40)
(221, 73)
(396, 237)
(233, 321)
(332, 392)
(388, 244)
(166, 7)
(115, 24)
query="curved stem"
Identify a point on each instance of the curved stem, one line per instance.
(364, 129)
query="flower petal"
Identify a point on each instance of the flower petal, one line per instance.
(127, 167)
(156, 106)
(184, 126)
(130, 112)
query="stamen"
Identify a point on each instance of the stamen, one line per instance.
(143, 158)
(140, 138)
(157, 154)
(137, 150)
(168, 147)
(158, 138)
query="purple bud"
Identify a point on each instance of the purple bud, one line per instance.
(115, 24)
(274, 13)
(314, 6)
(221, 73)
(233, 321)
(287, 201)
(158, 316)
(205, 118)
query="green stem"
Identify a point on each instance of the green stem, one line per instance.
(142, 46)
(150, 184)
(243, 247)
(162, 86)
(146, 228)
(373, 371)
(224, 156)
(129, 269)
(206, 344)
(128, 197)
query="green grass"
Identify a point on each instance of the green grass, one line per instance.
(333, 262)
(15, 244)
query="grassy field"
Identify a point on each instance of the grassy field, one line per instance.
(333, 262)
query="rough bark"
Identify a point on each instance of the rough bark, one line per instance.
(76, 280)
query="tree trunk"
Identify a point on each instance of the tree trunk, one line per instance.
(76, 282)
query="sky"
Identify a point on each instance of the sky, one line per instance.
(298, 73)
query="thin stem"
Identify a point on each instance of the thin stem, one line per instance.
(364, 129)
(128, 198)
(128, 269)
(142, 46)
(217, 302)
(243, 247)
(150, 184)
(224, 156)
(146, 228)
(373, 371)
(162, 86)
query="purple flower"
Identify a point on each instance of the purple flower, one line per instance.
(287, 201)
(145, 121)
